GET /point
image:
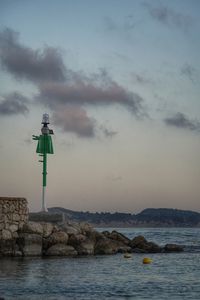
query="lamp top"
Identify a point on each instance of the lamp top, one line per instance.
(45, 119)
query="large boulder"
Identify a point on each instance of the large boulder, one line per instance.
(148, 247)
(95, 236)
(76, 240)
(138, 241)
(59, 237)
(48, 228)
(140, 245)
(44, 229)
(86, 247)
(117, 236)
(85, 244)
(86, 228)
(30, 244)
(61, 250)
(173, 248)
(33, 227)
(70, 229)
(108, 246)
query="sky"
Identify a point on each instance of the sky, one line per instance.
(120, 82)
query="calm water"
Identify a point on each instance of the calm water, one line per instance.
(170, 276)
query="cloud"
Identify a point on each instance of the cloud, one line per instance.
(64, 91)
(141, 79)
(74, 119)
(122, 29)
(13, 104)
(26, 63)
(128, 23)
(54, 94)
(179, 120)
(58, 85)
(169, 17)
(189, 71)
(107, 132)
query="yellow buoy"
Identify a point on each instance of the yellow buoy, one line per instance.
(147, 260)
(127, 255)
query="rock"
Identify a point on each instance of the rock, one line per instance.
(5, 218)
(138, 241)
(69, 229)
(173, 248)
(47, 229)
(61, 250)
(83, 244)
(56, 228)
(16, 217)
(13, 227)
(6, 234)
(95, 236)
(30, 244)
(86, 228)
(15, 235)
(151, 247)
(107, 246)
(5, 209)
(86, 247)
(76, 240)
(12, 208)
(33, 227)
(142, 246)
(21, 224)
(114, 235)
(59, 237)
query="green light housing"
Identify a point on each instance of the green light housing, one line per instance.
(45, 145)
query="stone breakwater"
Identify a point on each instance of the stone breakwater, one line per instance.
(13, 215)
(72, 239)
(19, 237)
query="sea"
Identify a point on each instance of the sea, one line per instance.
(169, 276)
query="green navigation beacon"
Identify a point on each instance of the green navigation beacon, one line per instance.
(44, 147)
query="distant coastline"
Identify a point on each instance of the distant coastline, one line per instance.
(149, 217)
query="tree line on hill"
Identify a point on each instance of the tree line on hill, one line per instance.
(148, 217)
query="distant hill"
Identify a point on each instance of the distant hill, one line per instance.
(152, 217)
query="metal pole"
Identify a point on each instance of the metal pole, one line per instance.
(44, 208)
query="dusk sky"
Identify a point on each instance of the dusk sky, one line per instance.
(120, 80)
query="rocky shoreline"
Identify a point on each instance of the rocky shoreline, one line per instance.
(74, 239)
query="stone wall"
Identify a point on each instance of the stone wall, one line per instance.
(13, 215)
